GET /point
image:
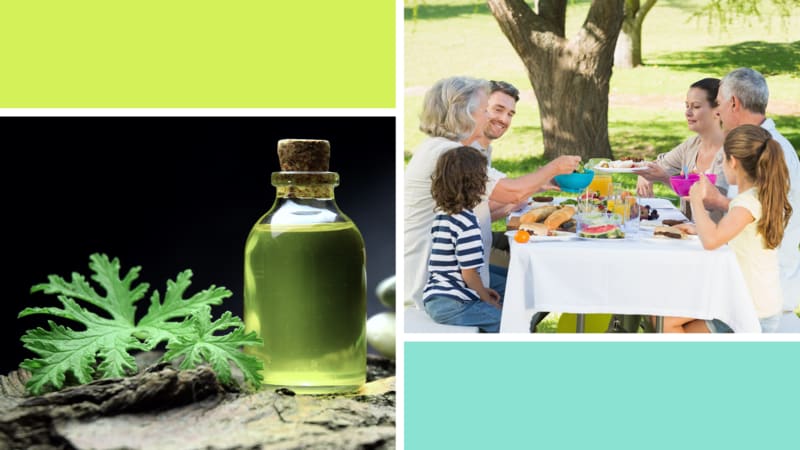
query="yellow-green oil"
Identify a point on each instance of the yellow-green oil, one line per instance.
(305, 296)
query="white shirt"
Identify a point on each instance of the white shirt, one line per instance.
(418, 214)
(484, 211)
(789, 250)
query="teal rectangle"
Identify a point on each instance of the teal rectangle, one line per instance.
(597, 395)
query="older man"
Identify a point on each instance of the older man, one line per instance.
(742, 99)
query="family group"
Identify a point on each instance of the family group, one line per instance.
(452, 194)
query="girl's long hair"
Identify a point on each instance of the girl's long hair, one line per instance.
(762, 159)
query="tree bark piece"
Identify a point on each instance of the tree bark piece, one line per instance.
(166, 408)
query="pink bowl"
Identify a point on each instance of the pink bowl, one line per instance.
(681, 185)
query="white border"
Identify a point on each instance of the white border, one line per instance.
(603, 337)
(400, 170)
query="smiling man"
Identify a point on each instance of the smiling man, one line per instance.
(502, 108)
(503, 100)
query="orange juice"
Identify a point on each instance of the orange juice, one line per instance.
(601, 183)
(622, 208)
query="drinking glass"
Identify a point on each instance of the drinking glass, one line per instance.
(601, 183)
(632, 216)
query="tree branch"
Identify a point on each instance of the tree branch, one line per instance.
(517, 11)
(605, 18)
(554, 13)
(642, 13)
(529, 33)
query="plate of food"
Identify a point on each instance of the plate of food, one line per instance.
(621, 166)
(670, 234)
(543, 235)
(540, 200)
(543, 224)
(659, 222)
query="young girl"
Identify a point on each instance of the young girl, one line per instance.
(753, 226)
(454, 293)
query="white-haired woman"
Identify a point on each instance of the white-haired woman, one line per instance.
(453, 115)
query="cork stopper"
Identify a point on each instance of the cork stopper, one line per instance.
(304, 155)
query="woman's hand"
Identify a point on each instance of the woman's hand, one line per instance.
(653, 172)
(644, 187)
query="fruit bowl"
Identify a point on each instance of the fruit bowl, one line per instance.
(682, 185)
(574, 182)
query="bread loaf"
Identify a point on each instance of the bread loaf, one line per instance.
(538, 214)
(555, 219)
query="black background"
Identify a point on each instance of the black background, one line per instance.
(169, 194)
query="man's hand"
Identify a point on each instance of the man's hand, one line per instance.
(550, 186)
(565, 164)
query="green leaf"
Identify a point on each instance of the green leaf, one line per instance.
(102, 348)
(157, 325)
(119, 298)
(204, 345)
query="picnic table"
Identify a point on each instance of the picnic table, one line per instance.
(641, 275)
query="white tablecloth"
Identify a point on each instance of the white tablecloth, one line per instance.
(629, 276)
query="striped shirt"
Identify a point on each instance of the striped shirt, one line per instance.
(457, 245)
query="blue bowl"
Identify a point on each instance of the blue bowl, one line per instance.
(575, 182)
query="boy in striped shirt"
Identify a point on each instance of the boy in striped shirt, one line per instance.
(454, 293)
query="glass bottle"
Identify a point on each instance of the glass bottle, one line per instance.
(305, 279)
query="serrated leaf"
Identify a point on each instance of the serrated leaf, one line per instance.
(157, 322)
(110, 339)
(204, 345)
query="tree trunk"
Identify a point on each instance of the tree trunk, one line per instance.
(569, 77)
(167, 409)
(628, 53)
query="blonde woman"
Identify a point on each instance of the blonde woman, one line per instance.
(454, 114)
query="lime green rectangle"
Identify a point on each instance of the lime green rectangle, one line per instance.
(197, 53)
(616, 395)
